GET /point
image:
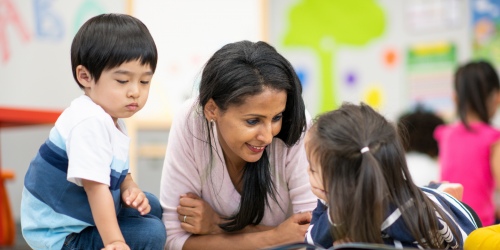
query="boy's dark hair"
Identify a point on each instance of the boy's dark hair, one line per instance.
(474, 83)
(108, 40)
(417, 131)
(235, 72)
(361, 186)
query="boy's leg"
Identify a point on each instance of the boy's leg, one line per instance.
(155, 205)
(143, 232)
(89, 238)
(140, 232)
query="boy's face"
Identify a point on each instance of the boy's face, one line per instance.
(314, 169)
(121, 91)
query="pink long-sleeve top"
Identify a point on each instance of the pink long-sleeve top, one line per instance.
(187, 169)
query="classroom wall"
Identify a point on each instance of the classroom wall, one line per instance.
(388, 67)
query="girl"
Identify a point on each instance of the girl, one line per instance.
(235, 160)
(357, 166)
(468, 152)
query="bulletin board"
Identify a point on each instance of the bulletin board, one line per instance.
(486, 30)
(360, 50)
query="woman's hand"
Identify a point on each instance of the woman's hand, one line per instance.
(197, 216)
(294, 228)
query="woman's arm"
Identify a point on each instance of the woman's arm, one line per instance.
(255, 229)
(202, 219)
(292, 230)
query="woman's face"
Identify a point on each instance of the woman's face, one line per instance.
(245, 130)
(314, 169)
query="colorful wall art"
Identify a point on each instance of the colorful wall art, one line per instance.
(353, 23)
(370, 51)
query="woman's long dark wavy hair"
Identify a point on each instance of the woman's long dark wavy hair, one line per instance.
(474, 84)
(361, 186)
(235, 72)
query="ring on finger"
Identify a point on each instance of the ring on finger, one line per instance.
(185, 218)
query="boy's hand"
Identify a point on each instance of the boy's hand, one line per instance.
(135, 198)
(117, 245)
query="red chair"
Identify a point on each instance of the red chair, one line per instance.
(10, 117)
(7, 227)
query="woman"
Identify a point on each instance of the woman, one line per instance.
(235, 161)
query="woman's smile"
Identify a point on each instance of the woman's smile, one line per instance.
(255, 148)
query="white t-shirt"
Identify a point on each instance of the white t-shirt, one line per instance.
(84, 144)
(95, 146)
(423, 169)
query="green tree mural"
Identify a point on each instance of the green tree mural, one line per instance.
(326, 25)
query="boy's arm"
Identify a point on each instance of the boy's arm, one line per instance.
(133, 196)
(103, 212)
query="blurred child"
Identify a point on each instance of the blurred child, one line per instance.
(358, 171)
(421, 148)
(75, 186)
(468, 150)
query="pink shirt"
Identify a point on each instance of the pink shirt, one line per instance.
(465, 158)
(186, 170)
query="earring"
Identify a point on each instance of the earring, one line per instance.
(212, 120)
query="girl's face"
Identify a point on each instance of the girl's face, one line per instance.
(245, 130)
(314, 169)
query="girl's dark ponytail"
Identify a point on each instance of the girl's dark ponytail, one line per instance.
(474, 84)
(370, 192)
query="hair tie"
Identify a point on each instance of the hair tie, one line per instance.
(364, 150)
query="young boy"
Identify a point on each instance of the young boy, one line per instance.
(73, 187)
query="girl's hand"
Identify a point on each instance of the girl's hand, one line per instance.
(197, 216)
(117, 245)
(294, 228)
(135, 198)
